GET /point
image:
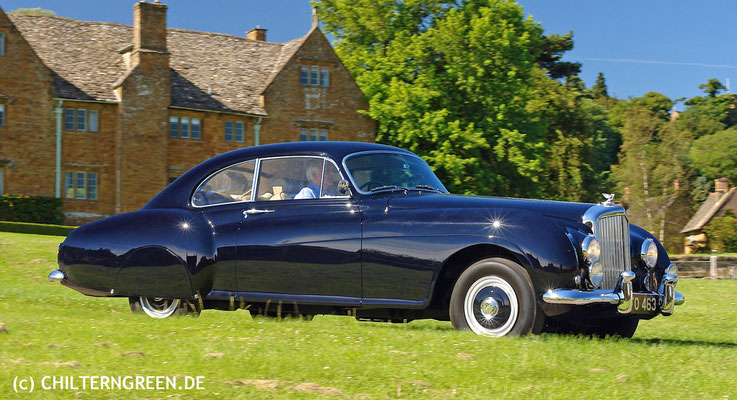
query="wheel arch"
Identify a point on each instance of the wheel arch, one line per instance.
(459, 261)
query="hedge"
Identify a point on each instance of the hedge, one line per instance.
(36, 209)
(39, 229)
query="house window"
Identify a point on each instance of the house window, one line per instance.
(234, 131)
(313, 135)
(2, 114)
(92, 185)
(228, 131)
(92, 123)
(2, 44)
(314, 75)
(80, 185)
(69, 119)
(304, 75)
(195, 128)
(239, 131)
(324, 76)
(315, 72)
(174, 126)
(185, 127)
(81, 120)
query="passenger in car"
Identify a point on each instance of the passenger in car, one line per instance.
(314, 174)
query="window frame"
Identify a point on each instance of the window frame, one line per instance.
(257, 181)
(314, 75)
(77, 175)
(96, 186)
(326, 81)
(2, 114)
(228, 131)
(81, 112)
(70, 125)
(192, 130)
(304, 75)
(2, 43)
(242, 126)
(90, 126)
(173, 133)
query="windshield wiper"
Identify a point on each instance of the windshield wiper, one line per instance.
(385, 187)
(428, 187)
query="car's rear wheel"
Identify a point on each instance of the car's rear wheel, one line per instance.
(157, 307)
(494, 297)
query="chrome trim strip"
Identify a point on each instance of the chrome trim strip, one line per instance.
(625, 285)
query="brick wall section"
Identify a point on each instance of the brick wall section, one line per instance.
(288, 101)
(27, 140)
(84, 151)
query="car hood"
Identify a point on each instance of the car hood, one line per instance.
(558, 209)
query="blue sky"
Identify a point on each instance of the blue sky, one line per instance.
(668, 46)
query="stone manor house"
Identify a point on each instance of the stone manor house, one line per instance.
(105, 115)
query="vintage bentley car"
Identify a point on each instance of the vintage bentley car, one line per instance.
(298, 229)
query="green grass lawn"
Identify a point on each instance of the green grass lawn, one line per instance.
(52, 330)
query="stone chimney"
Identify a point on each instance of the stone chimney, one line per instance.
(257, 33)
(315, 18)
(721, 185)
(149, 26)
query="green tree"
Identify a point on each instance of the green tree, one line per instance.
(722, 233)
(467, 85)
(34, 11)
(551, 50)
(715, 155)
(712, 87)
(600, 89)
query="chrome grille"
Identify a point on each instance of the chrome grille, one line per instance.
(613, 232)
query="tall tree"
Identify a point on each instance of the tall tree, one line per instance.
(600, 89)
(712, 87)
(466, 84)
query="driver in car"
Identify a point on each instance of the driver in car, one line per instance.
(314, 172)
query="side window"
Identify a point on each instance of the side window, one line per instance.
(330, 178)
(230, 185)
(290, 178)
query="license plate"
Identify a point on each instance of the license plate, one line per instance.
(644, 303)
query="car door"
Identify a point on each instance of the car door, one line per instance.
(300, 239)
(221, 198)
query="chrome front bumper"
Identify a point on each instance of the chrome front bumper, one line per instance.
(622, 298)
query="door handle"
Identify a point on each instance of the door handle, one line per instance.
(254, 211)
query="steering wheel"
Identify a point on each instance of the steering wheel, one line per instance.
(367, 185)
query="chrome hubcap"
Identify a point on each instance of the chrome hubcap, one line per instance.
(491, 307)
(157, 307)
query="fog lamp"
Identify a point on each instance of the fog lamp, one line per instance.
(596, 274)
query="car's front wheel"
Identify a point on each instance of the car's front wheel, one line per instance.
(493, 297)
(157, 307)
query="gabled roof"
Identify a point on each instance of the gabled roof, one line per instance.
(208, 70)
(709, 208)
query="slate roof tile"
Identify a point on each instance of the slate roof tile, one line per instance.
(210, 71)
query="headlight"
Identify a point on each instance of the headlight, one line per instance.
(649, 253)
(591, 254)
(591, 250)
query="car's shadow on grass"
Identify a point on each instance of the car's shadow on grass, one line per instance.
(685, 342)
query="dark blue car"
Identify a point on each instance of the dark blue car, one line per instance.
(299, 229)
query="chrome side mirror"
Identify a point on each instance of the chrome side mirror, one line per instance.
(344, 187)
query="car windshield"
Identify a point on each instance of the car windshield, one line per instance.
(373, 172)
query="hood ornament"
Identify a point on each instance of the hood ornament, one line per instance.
(609, 199)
